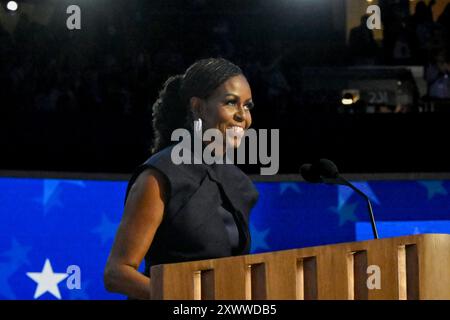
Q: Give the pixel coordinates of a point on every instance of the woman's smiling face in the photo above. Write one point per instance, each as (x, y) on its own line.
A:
(228, 108)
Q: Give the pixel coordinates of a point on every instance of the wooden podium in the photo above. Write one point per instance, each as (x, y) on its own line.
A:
(411, 267)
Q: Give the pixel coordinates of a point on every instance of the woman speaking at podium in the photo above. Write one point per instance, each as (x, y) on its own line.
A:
(186, 212)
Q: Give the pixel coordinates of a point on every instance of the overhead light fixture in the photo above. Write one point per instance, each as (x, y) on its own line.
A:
(12, 6)
(350, 97)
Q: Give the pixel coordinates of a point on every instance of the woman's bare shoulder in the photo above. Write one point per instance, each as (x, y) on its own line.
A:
(150, 184)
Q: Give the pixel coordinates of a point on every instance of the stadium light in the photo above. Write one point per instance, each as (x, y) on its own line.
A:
(347, 99)
(350, 96)
(12, 6)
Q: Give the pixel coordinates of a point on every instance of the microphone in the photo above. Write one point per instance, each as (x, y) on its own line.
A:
(325, 171)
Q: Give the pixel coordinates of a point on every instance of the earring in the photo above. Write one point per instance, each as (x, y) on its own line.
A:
(198, 126)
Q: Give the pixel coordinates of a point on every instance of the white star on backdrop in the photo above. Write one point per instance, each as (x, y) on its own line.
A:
(47, 280)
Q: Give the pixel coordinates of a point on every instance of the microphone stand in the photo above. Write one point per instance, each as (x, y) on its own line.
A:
(340, 180)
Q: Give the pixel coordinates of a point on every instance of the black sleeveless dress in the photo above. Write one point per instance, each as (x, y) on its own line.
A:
(207, 212)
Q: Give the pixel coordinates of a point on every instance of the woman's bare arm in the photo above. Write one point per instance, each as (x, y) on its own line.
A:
(142, 216)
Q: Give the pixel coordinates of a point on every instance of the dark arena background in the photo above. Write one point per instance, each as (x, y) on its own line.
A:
(76, 120)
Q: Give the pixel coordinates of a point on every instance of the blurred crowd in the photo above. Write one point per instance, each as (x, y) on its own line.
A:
(120, 65)
(416, 39)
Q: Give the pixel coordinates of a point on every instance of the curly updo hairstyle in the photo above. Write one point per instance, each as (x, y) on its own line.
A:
(172, 108)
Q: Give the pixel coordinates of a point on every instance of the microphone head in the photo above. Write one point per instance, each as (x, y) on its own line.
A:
(310, 174)
(327, 169)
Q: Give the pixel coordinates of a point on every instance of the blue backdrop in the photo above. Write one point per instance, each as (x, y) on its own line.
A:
(55, 234)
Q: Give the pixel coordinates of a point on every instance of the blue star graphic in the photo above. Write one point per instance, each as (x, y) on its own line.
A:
(434, 188)
(344, 193)
(6, 271)
(284, 186)
(18, 254)
(51, 192)
(346, 213)
(106, 230)
(259, 241)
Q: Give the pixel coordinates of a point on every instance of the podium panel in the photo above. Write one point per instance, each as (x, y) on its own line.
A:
(402, 268)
